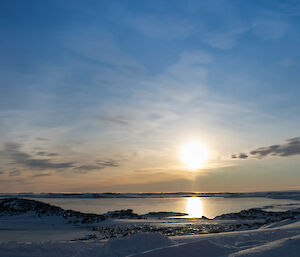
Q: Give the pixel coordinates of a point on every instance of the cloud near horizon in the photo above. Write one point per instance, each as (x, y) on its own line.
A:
(239, 156)
(100, 165)
(19, 159)
(13, 152)
(290, 148)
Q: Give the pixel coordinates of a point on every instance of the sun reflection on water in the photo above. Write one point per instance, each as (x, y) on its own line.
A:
(194, 207)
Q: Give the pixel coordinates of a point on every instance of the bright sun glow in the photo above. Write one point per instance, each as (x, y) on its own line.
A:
(193, 155)
(194, 207)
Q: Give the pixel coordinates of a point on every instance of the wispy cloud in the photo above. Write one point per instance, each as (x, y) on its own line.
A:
(286, 62)
(42, 139)
(100, 47)
(15, 173)
(16, 156)
(119, 119)
(224, 40)
(87, 168)
(41, 175)
(188, 71)
(161, 27)
(100, 165)
(46, 154)
(13, 154)
(269, 28)
(289, 7)
(108, 163)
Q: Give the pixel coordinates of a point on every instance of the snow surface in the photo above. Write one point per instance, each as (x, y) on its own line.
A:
(111, 248)
(283, 247)
(282, 241)
(25, 227)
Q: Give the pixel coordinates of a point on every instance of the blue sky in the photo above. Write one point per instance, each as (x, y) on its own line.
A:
(101, 95)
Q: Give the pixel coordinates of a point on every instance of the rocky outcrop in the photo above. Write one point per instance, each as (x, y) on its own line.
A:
(122, 214)
(258, 214)
(18, 206)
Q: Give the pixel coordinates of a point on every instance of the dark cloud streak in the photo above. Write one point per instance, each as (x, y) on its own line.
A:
(86, 168)
(41, 175)
(120, 120)
(42, 139)
(100, 165)
(14, 173)
(108, 163)
(239, 156)
(290, 148)
(46, 154)
(13, 152)
(17, 158)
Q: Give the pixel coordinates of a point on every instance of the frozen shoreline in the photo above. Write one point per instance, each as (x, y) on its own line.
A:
(41, 230)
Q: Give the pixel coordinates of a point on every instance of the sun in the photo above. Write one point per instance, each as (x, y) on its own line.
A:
(193, 155)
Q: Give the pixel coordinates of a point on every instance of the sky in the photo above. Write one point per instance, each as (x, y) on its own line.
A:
(101, 96)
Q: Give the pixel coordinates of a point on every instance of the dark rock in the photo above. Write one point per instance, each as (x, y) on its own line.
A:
(17, 206)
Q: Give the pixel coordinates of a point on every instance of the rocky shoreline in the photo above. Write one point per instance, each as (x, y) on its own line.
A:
(243, 220)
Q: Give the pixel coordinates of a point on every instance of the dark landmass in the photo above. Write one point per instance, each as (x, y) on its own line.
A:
(295, 195)
(18, 206)
(258, 213)
(243, 220)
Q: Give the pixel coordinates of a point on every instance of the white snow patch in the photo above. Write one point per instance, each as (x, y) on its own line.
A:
(200, 248)
(287, 247)
(119, 247)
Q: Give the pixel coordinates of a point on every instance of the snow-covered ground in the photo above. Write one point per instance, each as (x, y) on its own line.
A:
(282, 241)
(45, 231)
(24, 228)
